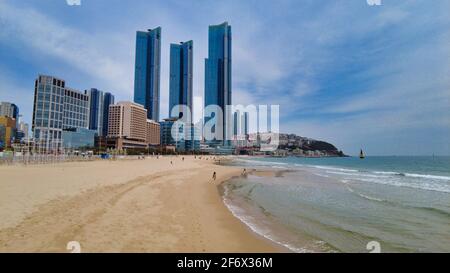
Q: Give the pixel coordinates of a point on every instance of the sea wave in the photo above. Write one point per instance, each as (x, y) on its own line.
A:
(410, 180)
(430, 182)
(365, 196)
(428, 176)
(262, 163)
(421, 185)
(334, 168)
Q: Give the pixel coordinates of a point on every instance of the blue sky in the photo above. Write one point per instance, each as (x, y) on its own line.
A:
(376, 77)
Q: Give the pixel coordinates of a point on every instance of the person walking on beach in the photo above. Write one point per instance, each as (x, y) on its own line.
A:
(171, 163)
(214, 176)
(244, 171)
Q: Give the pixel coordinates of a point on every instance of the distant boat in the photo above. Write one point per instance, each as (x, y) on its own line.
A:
(361, 155)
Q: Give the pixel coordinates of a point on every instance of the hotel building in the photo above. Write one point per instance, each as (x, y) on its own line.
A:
(128, 127)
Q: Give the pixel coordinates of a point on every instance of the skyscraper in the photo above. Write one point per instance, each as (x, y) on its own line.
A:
(99, 110)
(218, 71)
(181, 77)
(147, 71)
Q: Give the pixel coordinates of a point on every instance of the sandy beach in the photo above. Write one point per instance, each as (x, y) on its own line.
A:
(121, 206)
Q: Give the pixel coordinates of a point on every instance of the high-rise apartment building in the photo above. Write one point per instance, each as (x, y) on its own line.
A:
(218, 75)
(181, 77)
(147, 71)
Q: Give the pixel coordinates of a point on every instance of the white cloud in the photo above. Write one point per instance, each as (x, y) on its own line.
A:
(82, 50)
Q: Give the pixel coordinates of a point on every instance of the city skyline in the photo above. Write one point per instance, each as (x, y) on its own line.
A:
(345, 85)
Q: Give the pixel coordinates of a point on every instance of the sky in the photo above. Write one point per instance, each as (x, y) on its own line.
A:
(355, 75)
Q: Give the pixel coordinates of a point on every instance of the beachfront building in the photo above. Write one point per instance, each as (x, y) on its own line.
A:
(99, 103)
(7, 131)
(181, 78)
(57, 108)
(127, 126)
(147, 71)
(218, 75)
(153, 133)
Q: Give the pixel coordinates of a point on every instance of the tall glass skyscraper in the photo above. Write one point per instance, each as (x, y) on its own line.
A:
(147, 71)
(218, 71)
(99, 102)
(181, 77)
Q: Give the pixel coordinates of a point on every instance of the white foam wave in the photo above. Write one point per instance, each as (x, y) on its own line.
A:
(334, 168)
(428, 176)
(421, 185)
(364, 196)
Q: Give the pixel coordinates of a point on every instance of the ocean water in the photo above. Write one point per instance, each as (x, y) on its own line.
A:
(342, 204)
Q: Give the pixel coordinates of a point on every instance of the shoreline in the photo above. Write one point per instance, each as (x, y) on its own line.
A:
(123, 206)
(256, 219)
